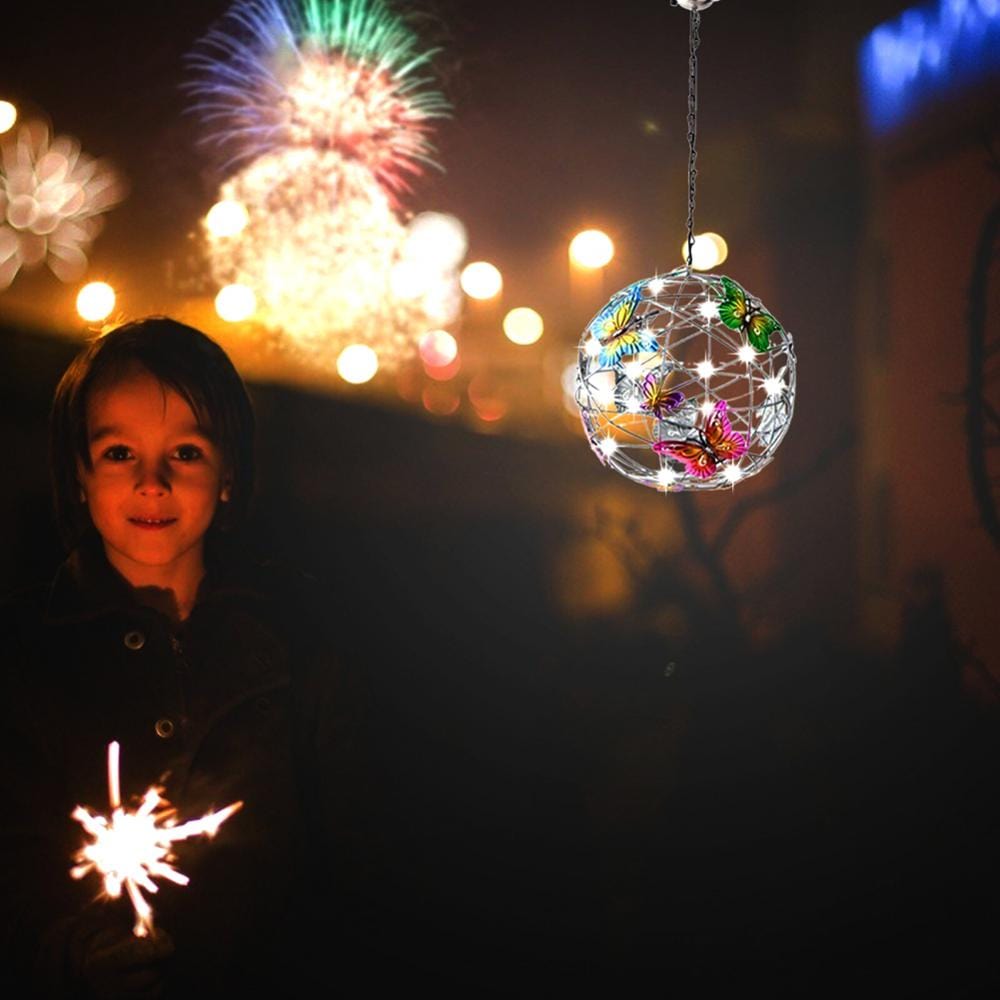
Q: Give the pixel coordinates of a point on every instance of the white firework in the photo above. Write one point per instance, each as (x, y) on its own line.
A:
(52, 196)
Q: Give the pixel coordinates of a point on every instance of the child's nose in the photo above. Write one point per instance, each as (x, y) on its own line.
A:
(151, 481)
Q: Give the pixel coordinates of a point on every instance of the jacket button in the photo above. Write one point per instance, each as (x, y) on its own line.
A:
(164, 728)
(134, 640)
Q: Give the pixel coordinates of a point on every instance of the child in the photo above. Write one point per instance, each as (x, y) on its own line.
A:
(213, 673)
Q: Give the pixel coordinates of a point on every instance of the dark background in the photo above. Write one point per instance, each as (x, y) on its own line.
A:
(726, 775)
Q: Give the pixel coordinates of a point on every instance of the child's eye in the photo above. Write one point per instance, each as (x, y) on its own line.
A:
(117, 453)
(188, 453)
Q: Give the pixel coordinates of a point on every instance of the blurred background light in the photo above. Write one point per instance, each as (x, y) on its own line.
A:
(523, 326)
(481, 280)
(438, 348)
(436, 240)
(227, 218)
(591, 249)
(8, 115)
(357, 363)
(95, 301)
(235, 303)
(709, 250)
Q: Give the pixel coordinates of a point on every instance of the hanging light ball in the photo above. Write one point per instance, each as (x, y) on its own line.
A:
(685, 381)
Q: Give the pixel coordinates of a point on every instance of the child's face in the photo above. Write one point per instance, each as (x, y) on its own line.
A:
(155, 479)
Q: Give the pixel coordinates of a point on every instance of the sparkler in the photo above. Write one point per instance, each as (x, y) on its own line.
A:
(130, 849)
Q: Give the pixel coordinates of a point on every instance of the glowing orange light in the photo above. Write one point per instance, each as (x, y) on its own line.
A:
(438, 348)
(523, 326)
(481, 280)
(95, 301)
(591, 249)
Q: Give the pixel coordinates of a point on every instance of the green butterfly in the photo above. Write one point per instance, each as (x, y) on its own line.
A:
(740, 312)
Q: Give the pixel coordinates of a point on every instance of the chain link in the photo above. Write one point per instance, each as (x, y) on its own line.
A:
(694, 41)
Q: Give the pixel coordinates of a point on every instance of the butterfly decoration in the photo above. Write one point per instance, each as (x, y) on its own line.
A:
(620, 331)
(740, 312)
(656, 399)
(717, 443)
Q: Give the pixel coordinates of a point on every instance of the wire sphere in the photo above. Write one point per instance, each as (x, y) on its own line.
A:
(685, 382)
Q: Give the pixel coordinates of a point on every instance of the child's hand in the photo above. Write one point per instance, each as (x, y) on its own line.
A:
(113, 962)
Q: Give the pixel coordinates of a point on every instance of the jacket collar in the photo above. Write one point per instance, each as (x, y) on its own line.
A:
(86, 585)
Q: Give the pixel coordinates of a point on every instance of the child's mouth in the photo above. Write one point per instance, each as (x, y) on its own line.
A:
(152, 523)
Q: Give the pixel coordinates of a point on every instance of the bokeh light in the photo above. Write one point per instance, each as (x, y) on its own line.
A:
(438, 348)
(591, 249)
(709, 250)
(436, 240)
(481, 280)
(8, 115)
(357, 363)
(227, 218)
(235, 303)
(523, 326)
(95, 301)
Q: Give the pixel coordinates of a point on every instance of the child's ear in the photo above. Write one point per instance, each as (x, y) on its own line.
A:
(226, 492)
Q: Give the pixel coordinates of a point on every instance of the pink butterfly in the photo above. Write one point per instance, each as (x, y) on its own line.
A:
(718, 443)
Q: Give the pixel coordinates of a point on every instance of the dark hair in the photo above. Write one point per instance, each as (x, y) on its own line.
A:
(181, 358)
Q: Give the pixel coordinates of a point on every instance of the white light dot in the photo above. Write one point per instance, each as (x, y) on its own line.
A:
(705, 369)
(593, 347)
(732, 473)
(481, 280)
(666, 476)
(608, 446)
(707, 407)
(227, 218)
(746, 354)
(656, 286)
(235, 303)
(708, 309)
(438, 348)
(591, 249)
(774, 386)
(523, 326)
(604, 396)
(8, 115)
(95, 301)
(357, 363)
(633, 369)
(409, 279)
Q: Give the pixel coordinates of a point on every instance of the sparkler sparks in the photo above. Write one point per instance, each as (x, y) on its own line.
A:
(130, 849)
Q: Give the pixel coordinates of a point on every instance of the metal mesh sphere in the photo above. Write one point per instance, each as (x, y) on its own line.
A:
(685, 381)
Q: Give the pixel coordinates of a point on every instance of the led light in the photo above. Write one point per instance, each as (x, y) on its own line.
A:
(705, 369)
(592, 348)
(481, 280)
(656, 286)
(8, 115)
(438, 348)
(732, 473)
(774, 386)
(666, 476)
(95, 301)
(523, 326)
(227, 218)
(633, 369)
(708, 309)
(357, 363)
(608, 446)
(591, 249)
(235, 303)
(746, 354)
(604, 396)
(707, 408)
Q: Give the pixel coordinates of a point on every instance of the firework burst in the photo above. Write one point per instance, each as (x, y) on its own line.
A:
(51, 199)
(348, 76)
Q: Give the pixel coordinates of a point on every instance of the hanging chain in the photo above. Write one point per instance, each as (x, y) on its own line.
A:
(692, 123)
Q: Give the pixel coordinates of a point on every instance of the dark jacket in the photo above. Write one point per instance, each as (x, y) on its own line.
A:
(241, 701)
